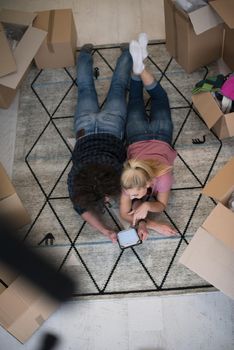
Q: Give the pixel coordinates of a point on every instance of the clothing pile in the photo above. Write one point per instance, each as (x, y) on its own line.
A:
(221, 87)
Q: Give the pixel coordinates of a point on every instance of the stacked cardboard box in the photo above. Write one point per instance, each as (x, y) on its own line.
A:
(198, 38)
(59, 47)
(210, 253)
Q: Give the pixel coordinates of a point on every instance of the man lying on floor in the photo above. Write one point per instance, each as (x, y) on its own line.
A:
(99, 151)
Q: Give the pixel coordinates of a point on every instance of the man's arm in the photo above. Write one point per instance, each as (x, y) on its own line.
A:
(96, 223)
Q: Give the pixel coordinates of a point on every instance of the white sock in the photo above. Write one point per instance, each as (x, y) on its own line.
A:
(143, 41)
(135, 51)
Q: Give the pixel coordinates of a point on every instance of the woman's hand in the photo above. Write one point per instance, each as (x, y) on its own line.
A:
(110, 234)
(142, 231)
(139, 213)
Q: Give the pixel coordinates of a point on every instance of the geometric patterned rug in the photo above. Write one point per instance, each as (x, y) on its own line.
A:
(43, 160)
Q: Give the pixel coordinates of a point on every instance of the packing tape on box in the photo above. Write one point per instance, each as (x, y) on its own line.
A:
(50, 31)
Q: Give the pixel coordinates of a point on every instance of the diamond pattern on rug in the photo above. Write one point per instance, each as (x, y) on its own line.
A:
(43, 160)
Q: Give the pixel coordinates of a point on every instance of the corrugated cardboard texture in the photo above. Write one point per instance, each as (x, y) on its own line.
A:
(220, 223)
(207, 108)
(225, 9)
(212, 260)
(228, 48)
(14, 212)
(58, 50)
(222, 183)
(17, 17)
(7, 95)
(23, 308)
(7, 61)
(7, 275)
(6, 187)
(24, 53)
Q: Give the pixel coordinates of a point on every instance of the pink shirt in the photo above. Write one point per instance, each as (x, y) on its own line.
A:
(158, 150)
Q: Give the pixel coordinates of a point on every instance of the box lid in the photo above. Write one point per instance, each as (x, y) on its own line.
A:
(221, 185)
(225, 9)
(24, 54)
(207, 108)
(204, 19)
(6, 187)
(17, 17)
(220, 224)
(7, 61)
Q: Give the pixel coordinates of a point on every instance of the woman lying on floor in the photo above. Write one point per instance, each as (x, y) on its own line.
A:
(147, 175)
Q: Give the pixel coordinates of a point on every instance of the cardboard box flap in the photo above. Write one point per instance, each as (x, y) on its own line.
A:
(15, 300)
(207, 108)
(210, 259)
(7, 61)
(7, 275)
(17, 17)
(61, 33)
(225, 9)
(14, 211)
(220, 224)
(6, 187)
(220, 186)
(204, 19)
(24, 54)
(42, 20)
(229, 119)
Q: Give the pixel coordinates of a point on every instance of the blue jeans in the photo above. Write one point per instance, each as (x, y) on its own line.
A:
(112, 118)
(158, 125)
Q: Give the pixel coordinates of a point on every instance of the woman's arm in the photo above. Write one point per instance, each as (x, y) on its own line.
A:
(155, 207)
(125, 208)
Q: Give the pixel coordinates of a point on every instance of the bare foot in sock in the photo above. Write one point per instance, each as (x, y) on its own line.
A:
(135, 51)
(143, 41)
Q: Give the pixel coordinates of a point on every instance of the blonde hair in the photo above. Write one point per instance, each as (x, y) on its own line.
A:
(137, 173)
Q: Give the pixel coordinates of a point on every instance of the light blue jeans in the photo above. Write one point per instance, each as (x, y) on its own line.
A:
(89, 119)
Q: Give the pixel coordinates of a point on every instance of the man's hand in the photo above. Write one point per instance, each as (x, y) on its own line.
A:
(111, 235)
(142, 231)
(139, 213)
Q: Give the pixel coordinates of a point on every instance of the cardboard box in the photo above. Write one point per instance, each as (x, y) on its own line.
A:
(58, 49)
(10, 204)
(222, 124)
(22, 55)
(200, 37)
(23, 307)
(210, 253)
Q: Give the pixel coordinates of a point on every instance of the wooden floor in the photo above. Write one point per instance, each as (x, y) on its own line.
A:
(105, 22)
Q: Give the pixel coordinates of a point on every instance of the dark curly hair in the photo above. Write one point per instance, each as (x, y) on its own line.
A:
(93, 183)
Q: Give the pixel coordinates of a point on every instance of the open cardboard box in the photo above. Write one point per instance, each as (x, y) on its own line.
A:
(206, 105)
(198, 38)
(210, 253)
(10, 204)
(23, 307)
(15, 63)
(59, 47)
